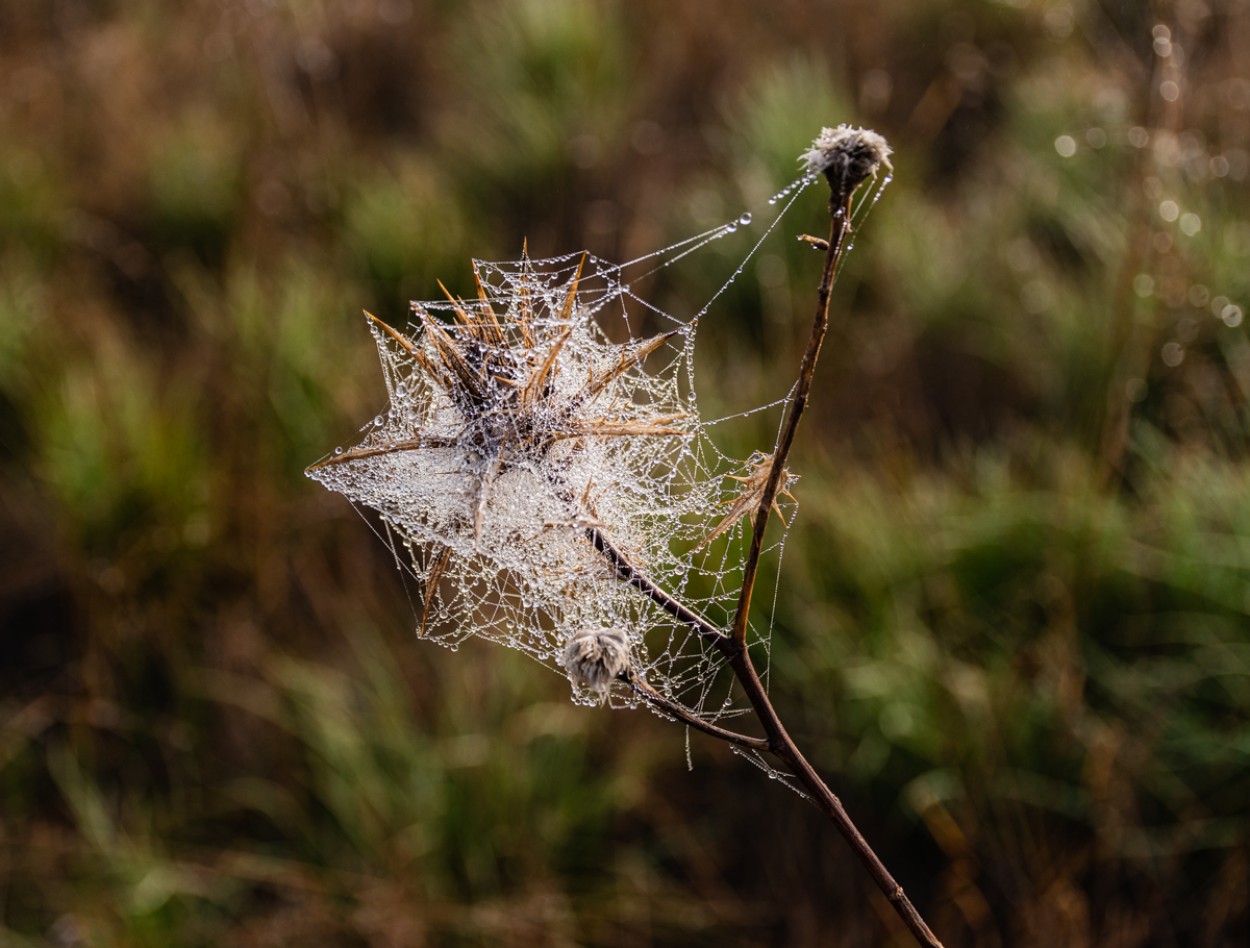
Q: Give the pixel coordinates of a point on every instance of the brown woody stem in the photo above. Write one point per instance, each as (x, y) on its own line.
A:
(777, 740)
(675, 710)
(839, 228)
(627, 572)
(733, 646)
(782, 746)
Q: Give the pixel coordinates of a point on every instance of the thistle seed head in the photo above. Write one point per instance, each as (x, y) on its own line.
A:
(594, 658)
(847, 153)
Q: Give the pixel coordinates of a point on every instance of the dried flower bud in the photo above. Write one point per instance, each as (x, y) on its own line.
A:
(848, 153)
(595, 657)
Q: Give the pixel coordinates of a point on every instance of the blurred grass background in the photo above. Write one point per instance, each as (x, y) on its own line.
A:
(1014, 622)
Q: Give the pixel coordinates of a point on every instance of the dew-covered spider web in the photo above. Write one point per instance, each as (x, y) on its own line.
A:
(542, 472)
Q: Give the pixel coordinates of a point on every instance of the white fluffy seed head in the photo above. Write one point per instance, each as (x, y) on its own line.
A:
(853, 153)
(595, 657)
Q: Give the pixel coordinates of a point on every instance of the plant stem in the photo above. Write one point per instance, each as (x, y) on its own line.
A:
(777, 740)
(839, 227)
(629, 573)
(733, 646)
(686, 716)
(782, 746)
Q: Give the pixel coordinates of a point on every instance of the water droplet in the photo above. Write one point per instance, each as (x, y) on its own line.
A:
(773, 199)
(731, 227)
(745, 219)
(401, 389)
(379, 421)
(338, 450)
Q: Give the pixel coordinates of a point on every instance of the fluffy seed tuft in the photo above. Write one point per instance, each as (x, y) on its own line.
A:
(850, 153)
(594, 658)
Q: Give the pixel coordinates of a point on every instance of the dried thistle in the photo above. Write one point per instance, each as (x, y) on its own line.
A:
(509, 397)
(517, 431)
(500, 413)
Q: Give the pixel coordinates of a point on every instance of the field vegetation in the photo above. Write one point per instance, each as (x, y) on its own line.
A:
(1014, 625)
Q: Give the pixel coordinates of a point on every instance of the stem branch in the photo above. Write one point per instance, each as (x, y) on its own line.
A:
(629, 573)
(672, 708)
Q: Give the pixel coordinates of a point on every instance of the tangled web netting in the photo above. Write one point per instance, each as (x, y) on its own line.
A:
(530, 426)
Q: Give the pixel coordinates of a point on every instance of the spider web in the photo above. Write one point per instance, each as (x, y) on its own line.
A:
(520, 440)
